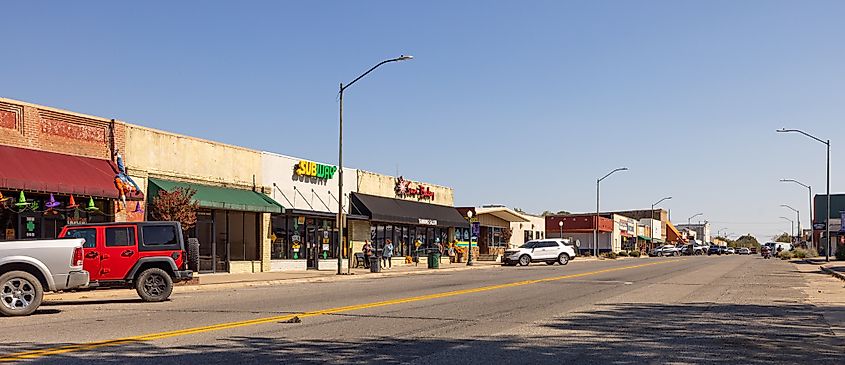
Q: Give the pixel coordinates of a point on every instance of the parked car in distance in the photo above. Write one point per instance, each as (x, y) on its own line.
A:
(548, 251)
(753, 250)
(665, 250)
(730, 251)
(744, 251)
(29, 268)
(696, 249)
(715, 250)
(776, 247)
(147, 256)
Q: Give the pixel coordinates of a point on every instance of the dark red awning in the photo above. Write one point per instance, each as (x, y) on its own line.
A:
(31, 170)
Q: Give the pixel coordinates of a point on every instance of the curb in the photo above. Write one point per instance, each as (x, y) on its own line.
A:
(835, 274)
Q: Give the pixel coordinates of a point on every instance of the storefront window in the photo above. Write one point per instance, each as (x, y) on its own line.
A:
(36, 221)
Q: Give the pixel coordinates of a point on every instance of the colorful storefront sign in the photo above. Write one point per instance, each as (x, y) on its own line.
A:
(403, 189)
(313, 169)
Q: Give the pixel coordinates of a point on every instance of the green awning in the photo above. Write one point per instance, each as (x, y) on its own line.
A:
(215, 197)
(644, 237)
(658, 240)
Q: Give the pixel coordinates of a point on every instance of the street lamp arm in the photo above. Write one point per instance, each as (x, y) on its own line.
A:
(661, 200)
(795, 181)
(790, 208)
(400, 58)
(612, 172)
(784, 130)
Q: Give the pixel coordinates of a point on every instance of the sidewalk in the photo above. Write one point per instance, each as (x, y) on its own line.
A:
(824, 292)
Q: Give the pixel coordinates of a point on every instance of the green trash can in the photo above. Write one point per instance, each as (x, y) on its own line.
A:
(434, 260)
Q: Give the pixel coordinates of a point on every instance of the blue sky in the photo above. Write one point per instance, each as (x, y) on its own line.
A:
(523, 103)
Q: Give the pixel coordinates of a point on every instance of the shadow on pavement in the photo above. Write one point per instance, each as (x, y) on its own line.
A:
(613, 334)
(48, 303)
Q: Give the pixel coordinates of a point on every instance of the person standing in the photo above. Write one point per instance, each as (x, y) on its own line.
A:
(452, 247)
(387, 255)
(416, 256)
(368, 251)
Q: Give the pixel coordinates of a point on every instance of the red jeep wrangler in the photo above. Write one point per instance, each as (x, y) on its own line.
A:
(148, 256)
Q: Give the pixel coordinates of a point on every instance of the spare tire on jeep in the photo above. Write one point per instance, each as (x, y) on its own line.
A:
(154, 285)
(193, 254)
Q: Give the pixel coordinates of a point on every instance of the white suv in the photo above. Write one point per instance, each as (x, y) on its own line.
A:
(548, 251)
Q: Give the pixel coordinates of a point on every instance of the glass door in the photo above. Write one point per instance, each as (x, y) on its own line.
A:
(204, 232)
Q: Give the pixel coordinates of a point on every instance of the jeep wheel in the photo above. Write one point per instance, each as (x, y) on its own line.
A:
(20, 293)
(524, 260)
(154, 285)
(563, 259)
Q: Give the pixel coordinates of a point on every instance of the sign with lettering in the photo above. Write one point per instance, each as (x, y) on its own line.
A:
(428, 222)
(313, 169)
(403, 188)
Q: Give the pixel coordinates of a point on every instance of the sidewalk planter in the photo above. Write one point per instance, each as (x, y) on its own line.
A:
(434, 261)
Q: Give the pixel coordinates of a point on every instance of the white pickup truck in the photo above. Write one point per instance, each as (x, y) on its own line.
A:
(28, 268)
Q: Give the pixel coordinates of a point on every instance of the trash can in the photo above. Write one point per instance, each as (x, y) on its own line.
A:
(375, 264)
(434, 260)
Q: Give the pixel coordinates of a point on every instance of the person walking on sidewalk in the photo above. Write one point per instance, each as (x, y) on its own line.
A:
(452, 251)
(416, 252)
(368, 251)
(387, 255)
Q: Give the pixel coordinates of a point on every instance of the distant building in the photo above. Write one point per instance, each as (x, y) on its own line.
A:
(698, 231)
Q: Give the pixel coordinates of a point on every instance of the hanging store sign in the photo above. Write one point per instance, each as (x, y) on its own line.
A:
(313, 169)
(428, 222)
(403, 189)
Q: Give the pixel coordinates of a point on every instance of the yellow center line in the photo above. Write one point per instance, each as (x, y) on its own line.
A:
(252, 322)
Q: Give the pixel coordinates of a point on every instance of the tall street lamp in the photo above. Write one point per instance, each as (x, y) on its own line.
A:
(827, 221)
(791, 225)
(810, 189)
(797, 215)
(596, 226)
(689, 220)
(658, 202)
(340, 164)
(469, 246)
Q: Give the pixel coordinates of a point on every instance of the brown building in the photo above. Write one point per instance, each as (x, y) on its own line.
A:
(49, 155)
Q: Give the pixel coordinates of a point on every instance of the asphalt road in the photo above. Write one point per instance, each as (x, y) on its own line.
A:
(731, 310)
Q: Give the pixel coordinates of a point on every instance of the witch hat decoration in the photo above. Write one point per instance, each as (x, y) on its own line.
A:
(138, 208)
(72, 203)
(22, 201)
(52, 203)
(91, 207)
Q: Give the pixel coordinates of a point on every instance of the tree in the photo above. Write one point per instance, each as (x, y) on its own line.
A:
(783, 237)
(506, 234)
(747, 241)
(177, 205)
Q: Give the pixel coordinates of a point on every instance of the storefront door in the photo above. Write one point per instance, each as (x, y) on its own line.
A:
(312, 247)
(205, 235)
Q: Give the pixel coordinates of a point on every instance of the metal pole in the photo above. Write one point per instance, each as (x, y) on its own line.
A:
(596, 226)
(469, 247)
(340, 189)
(827, 223)
(812, 217)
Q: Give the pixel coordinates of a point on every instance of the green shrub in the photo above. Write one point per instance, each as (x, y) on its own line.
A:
(610, 255)
(785, 255)
(635, 253)
(623, 254)
(812, 253)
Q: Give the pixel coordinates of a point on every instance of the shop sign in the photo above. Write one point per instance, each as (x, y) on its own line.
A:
(476, 229)
(818, 226)
(77, 220)
(313, 169)
(428, 222)
(30, 226)
(403, 189)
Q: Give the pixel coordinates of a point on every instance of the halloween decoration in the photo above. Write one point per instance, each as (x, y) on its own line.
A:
(52, 203)
(71, 204)
(122, 181)
(138, 208)
(22, 203)
(91, 207)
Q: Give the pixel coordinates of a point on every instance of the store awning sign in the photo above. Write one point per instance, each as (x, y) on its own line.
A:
(428, 222)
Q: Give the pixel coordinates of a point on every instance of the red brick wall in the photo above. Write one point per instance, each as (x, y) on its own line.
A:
(28, 126)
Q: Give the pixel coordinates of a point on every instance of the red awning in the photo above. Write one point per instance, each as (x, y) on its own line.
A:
(31, 170)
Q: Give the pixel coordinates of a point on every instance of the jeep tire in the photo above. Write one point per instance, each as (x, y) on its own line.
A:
(20, 293)
(193, 254)
(154, 285)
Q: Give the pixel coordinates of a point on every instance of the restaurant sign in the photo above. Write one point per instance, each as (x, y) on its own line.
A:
(313, 169)
(403, 189)
(428, 222)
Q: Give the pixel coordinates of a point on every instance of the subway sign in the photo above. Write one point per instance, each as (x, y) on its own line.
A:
(313, 169)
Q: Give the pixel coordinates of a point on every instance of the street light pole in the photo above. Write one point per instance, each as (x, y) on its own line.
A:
(561, 228)
(340, 165)
(827, 221)
(797, 215)
(469, 246)
(791, 225)
(812, 213)
(596, 225)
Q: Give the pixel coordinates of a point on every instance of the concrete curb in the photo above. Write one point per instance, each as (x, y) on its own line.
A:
(835, 274)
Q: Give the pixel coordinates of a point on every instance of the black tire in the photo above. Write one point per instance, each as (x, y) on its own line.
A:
(154, 285)
(676, 254)
(20, 293)
(563, 259)
(524, 260)
(193, 254)
(550, 263)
